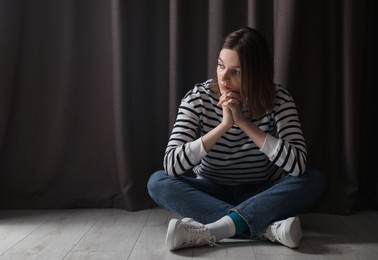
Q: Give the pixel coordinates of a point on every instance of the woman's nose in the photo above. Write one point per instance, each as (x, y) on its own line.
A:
(225, 75)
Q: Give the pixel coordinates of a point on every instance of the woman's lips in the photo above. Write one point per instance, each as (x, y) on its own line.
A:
(223, 87)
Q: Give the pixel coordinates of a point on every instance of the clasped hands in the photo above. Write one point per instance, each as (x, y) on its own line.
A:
(231, 103)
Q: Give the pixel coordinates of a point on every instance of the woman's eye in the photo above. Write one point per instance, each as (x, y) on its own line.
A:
(220, 65)
(237, 72)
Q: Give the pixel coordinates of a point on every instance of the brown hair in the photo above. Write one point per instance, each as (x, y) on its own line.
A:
(256, 69)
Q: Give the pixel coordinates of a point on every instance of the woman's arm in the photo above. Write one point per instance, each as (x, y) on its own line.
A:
(288, 150)
(232, 102)
(210, 139)
(185, 149)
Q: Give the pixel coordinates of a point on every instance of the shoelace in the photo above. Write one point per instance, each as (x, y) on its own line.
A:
(196, 236)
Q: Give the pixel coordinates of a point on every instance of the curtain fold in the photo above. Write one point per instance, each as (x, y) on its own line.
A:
(367, 177)
(89, 91)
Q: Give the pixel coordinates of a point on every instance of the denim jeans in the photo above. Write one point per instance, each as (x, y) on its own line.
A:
(258, 204)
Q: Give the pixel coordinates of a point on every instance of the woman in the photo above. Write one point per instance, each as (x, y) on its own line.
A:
(241, 136)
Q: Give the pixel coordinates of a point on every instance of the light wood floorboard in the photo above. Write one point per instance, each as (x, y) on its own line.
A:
(120, 234)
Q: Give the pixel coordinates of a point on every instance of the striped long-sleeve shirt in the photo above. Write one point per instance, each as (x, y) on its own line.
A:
(235, 158)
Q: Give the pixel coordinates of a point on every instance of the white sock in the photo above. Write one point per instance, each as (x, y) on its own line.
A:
(222, 228)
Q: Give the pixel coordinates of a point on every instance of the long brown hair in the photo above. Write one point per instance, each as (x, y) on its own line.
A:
(256, 63)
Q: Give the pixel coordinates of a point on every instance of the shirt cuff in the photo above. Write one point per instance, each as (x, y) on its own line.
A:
(270, 146)
(197, 149)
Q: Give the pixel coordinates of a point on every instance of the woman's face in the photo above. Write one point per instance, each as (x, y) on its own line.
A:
(229, 71)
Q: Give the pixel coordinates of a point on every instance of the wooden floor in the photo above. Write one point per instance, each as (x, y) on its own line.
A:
(119, 234)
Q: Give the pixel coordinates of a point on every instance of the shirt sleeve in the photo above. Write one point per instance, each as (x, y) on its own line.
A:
(185, 148)
(287, 149)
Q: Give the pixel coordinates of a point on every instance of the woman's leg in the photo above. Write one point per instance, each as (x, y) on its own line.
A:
(265, 204)
(199, 199)
(282, 199)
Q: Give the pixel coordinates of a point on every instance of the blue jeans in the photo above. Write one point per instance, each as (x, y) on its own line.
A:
(258, 204)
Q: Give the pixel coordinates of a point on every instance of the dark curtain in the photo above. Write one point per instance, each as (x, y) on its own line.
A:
(89, 91)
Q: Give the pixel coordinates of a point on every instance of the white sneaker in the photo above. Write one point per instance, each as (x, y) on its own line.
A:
(192, 221)
(187, 234)
(287, 232)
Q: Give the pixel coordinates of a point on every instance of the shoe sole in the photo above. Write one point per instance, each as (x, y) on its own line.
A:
(170, 234)
(295, 235)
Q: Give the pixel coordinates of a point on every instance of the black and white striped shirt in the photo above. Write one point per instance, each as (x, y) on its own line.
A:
(235, 158)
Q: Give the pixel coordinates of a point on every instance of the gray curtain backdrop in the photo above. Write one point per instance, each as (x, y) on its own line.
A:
(89, 92)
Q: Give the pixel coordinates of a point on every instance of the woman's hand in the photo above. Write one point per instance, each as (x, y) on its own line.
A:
(210, 139)
(228, 120)
(231, 104)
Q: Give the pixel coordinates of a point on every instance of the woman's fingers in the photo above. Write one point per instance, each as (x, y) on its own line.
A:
(233, 102)
(233, 95)
(222, 99)
(226, 97)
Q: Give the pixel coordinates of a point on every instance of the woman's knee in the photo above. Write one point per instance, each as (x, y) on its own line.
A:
(155, 181)
(156, 177)
(315, 176)
(315, 180)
